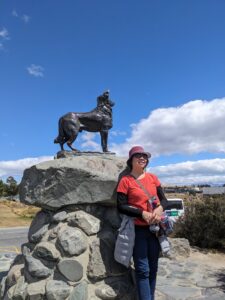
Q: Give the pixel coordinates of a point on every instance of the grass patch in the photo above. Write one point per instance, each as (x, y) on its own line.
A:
(14, 214)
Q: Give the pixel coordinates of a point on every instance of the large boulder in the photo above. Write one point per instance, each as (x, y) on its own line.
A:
(80, 179)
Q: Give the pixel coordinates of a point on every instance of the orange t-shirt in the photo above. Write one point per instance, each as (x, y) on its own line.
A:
(136, 196)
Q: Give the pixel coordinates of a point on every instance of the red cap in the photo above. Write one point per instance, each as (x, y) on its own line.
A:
(138, 149)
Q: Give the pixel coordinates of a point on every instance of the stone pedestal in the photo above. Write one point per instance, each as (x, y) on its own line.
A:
(70, 249)
(69, 253)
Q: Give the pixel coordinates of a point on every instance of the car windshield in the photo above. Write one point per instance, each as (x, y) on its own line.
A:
(174, 205)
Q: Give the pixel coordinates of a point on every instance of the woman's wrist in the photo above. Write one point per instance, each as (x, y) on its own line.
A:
(159, 210)
(147, 216)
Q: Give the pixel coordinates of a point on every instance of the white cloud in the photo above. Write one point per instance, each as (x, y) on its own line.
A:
(14, 13)
(16, 167)
(35, 70)
(4, 34)
(88, 138)
(197, 126)
(192, 172)
(117, 133)
(25, 18)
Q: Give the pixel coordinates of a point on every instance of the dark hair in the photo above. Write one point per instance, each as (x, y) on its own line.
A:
(129, 163)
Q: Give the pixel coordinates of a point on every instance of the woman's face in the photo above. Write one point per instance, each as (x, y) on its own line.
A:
(139, 161)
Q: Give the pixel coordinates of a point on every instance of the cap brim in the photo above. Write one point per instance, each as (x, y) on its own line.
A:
(147, 153)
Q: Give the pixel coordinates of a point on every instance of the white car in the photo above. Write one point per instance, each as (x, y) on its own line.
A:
(175, 208)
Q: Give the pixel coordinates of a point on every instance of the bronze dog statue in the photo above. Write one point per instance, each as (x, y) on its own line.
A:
(97, 120)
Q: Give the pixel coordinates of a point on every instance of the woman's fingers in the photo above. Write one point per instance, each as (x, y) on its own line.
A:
(147, 216)
(155, 218)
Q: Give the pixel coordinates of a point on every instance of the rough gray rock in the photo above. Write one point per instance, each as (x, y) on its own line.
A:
(180, 247)
(88, 223)
(36, 268)
(101, 260)
(47, 251)
(10, 293)
(112, 217)
(36, 290)
(57, 290)
(80, 292)
(72, 241)
(2, 286)
(39, 226)
(113, 290)
(67, 154)
(75, 180)
(59, 216)
(20, 291)
(14, 274)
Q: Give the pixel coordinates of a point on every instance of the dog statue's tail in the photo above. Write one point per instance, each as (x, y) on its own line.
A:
(61, 136)
(56, 140)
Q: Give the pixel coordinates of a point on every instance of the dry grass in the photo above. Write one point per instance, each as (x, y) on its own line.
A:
(185, 196)
(14, 214)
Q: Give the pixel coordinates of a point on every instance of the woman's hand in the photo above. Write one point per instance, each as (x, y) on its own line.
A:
(159, 210)
(157, 214)
(147, 216)
(153, 217)
(150, 218)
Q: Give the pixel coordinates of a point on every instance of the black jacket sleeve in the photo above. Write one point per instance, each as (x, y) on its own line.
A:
(162, 197)
(131, 211)
(126, 209)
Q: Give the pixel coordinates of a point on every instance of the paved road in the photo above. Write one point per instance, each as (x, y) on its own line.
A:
(12, 238)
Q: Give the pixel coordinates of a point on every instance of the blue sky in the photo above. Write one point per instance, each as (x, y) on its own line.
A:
(163, 61)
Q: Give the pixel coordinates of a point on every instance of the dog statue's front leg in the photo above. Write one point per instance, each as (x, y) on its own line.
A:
(104, 140)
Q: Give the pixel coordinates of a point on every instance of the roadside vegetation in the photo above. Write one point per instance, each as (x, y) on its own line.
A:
(9, 188)
(204, 223)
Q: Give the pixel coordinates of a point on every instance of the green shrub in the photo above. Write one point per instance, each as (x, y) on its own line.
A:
(204, 223)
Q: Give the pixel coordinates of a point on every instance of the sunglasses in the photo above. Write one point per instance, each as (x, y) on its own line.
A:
(139, 155)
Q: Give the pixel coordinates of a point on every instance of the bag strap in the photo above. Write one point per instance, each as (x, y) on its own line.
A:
(142, 187)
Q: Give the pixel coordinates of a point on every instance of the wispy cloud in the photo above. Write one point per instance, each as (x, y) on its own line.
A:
(118, 133)
(88, 138)
(194, 127)
(16, 167)
(192, 172)
(14, 13)
(35, 70)
(4, 34)
(24, 18)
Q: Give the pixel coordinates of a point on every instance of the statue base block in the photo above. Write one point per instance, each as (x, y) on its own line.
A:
(66, 154)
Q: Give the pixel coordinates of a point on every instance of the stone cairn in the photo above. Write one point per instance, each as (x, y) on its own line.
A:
(69, 253)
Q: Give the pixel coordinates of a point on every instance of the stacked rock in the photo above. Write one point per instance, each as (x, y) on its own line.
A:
(69, 253)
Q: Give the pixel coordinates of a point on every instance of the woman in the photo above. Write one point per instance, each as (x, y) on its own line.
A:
(133, 193)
